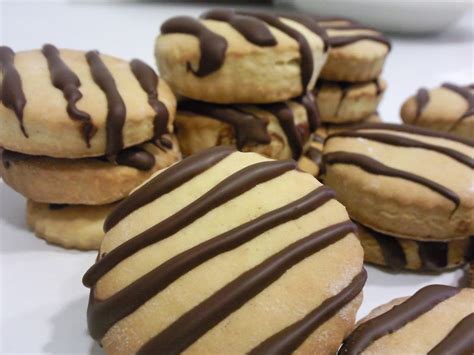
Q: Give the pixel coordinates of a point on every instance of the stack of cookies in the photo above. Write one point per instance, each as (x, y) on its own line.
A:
(243, 78)
(80, 130)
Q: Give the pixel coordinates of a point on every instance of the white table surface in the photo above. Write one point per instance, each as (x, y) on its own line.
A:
(42, 301)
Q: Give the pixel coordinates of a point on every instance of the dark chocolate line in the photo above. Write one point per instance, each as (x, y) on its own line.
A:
(212, 45)
(11, 90)
(342, 40)
(459, 341)
(249, 129)
(116, 107)
(400, 141)
(136, 157)
(148, 80)
(389, 322)
(375, 167)
(310, 24)
(315, 155)
(289, 339)
(392, 251)
(422, 98)
(64, 79)
(312, 111)
(465, 92)
(168, 180)
(231, 187)
(102, 315)
(192, 325)
(433, 255)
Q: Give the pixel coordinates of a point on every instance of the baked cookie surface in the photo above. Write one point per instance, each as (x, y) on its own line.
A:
(71, 104)
(226, 252)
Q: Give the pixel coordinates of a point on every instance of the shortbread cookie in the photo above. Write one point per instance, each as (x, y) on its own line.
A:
(226, 253)
(448, 108)
(278, 130)
(357, 52)
(343, 102)
(436, 320)
(400, 253)
(229, 56)
(88, 181)
(72, 104)
(403, 180)
(70, 226)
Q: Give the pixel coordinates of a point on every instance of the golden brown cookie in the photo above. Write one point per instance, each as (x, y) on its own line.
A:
(357, 52)
(72, 104)
(400, 253)
(87, 181)
(228, 56)
(436, 320)
(343, 102)
(70, 226)
(226, 252)
(448, 108)
(278, 130)
(403, 180)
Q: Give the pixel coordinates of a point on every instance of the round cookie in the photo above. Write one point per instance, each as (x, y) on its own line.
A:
(70, 226)
(72, 104)
(226, 252)
(448, 108)
(357, 52)
(400, 253)
(436, 320)
(87, 181)
(228, 56)
(278, 130)
(403, 180)
(343, 102)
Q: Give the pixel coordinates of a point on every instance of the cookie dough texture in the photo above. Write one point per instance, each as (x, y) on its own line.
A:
(49, 128)
(404, 181)
(87, 181)
(295, 293)
(247, 72)
(448, 108)
(69, 226)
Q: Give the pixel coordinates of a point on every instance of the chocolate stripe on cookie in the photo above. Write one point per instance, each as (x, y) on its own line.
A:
(315, 155)
(11, 90)
(229, 188)
(289, 339)
(64, 79)
(104, 314)
(148, 80)
(392, 251)
(310, 24)
(193, 324)
(167, 181)
(433, 255)
(342, 40)
(375, 167)
(116, 107)
(459, 341)
(422, 98)
(312, 111)
(136, 157)
(212, 45)
(421, 302)
(465, 92)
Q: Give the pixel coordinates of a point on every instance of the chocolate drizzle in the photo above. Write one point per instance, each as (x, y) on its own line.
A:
(11, 90)
(465, 92)
(315, 155)
(64, 79)
(193, 324)
(289, 339)
(136, 157)
(422, 98)
(459, 341)
(212, 45)
(116, 107)
(392, 251)
(421, 302)
(433, 255)
(312, 111)
(148, 80)
(342, 40)
(103, 314)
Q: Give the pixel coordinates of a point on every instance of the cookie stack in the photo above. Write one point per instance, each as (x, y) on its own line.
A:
(79, 131)
(243, 78)
(410, 190)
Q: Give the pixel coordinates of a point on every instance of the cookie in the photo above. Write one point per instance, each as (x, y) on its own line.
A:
(343, 102)
(400, 253)
(226, 252)
(87, 181)
(403, 180)
(436, 320)
(69, 226)
(448, 108)
(228, 56)
(278, 130)
(71, 104)
(357, 52)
